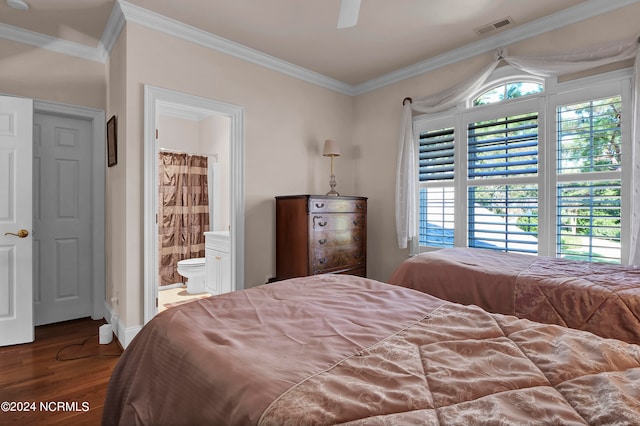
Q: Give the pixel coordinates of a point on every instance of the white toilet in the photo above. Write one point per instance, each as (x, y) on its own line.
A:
(193, 270)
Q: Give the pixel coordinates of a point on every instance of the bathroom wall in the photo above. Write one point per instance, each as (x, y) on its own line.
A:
(207, 136)
(179, 134)
(215, 134)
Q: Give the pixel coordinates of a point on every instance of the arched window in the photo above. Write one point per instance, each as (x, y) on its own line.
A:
(510, 90)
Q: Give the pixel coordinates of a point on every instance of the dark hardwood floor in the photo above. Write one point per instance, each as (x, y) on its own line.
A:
(43, 377)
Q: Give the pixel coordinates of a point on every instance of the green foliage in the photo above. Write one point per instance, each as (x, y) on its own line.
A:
(510, 90)
(589, 136)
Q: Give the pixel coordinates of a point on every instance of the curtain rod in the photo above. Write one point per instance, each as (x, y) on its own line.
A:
(176, 151)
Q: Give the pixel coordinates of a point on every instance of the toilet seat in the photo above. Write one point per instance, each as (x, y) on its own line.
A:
(196, 261)
(194, 270)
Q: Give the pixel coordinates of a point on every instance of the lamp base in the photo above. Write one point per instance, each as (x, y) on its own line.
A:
(332, 184)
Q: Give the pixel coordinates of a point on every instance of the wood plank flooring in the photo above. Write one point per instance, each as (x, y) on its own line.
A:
(63, 390)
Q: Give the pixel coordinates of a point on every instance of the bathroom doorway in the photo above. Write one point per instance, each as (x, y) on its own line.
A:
(186, 129)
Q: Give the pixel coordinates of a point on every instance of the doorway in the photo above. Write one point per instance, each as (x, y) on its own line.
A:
(161, 103)
(193, 198)
(68, 240)
(20, 300)
(62, 222)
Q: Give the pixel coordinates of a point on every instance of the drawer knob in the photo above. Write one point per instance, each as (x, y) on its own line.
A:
(356, 222)
(322, 241)
(319, 205)
(323, 260)
(320, 221)
(359, 206)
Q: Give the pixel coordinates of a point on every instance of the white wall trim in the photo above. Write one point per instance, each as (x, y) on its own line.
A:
(156, 99)
(124, 335)
(97, 119)
(112, 30)
(126, 12)
(32, 38)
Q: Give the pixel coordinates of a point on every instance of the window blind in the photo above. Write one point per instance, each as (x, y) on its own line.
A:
(436, 155)
(503, 147)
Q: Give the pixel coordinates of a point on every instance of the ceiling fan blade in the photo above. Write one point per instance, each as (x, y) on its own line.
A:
(349, 10)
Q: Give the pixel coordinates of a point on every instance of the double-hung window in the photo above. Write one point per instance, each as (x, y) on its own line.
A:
(526, 168)
(436, 171)
(589, 179)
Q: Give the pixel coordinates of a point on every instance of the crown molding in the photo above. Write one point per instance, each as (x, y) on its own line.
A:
(126, 12)
(175, 28)
(552, 22)
(112, 30)
(32, 38)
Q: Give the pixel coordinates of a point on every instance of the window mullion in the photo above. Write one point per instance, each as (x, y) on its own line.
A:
(460, 181)
(547, 199)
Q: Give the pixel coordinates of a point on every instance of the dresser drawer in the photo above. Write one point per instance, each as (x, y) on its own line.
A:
(323, 205)
(335, 239)
(336, 221)
(327, 260)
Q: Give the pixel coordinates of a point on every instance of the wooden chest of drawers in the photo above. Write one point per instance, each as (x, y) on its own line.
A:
(317, 234)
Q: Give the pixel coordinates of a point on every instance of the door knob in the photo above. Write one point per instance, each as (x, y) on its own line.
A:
(23, 233)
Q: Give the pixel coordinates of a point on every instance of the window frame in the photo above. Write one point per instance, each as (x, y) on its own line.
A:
(554, 95)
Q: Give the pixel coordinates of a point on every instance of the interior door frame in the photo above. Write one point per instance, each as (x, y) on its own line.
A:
(97, 119)
(154, 99)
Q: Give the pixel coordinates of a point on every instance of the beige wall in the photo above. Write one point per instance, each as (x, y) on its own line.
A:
(179, 134)
(41, 74)
(116, 251)
(286, 123)
(216, 134)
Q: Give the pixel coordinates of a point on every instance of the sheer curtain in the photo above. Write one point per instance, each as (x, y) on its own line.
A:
(545, 66)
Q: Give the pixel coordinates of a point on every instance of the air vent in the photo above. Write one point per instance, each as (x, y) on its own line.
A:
(500, 23)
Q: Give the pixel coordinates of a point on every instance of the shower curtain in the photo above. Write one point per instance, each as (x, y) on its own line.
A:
(183, 214)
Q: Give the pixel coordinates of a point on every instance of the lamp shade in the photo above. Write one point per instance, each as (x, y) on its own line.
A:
(331, 148)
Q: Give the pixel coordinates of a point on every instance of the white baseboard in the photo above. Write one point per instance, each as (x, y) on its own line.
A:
(123, 334)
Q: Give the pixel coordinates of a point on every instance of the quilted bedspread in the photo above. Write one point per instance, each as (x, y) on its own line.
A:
(337, 349)
(597, 297)
(463, 366)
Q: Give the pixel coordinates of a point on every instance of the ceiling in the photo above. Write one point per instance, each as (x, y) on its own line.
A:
(389, 36)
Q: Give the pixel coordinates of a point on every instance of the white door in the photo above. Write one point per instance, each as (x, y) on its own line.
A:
(16, 279)
(62, 218)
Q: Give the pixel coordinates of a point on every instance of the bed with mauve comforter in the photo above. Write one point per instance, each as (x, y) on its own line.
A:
(597, 297)
(336, 349)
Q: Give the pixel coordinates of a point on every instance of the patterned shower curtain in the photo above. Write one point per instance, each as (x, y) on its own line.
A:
(183, 214)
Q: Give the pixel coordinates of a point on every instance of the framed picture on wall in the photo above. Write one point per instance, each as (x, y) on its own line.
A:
(112, 142)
